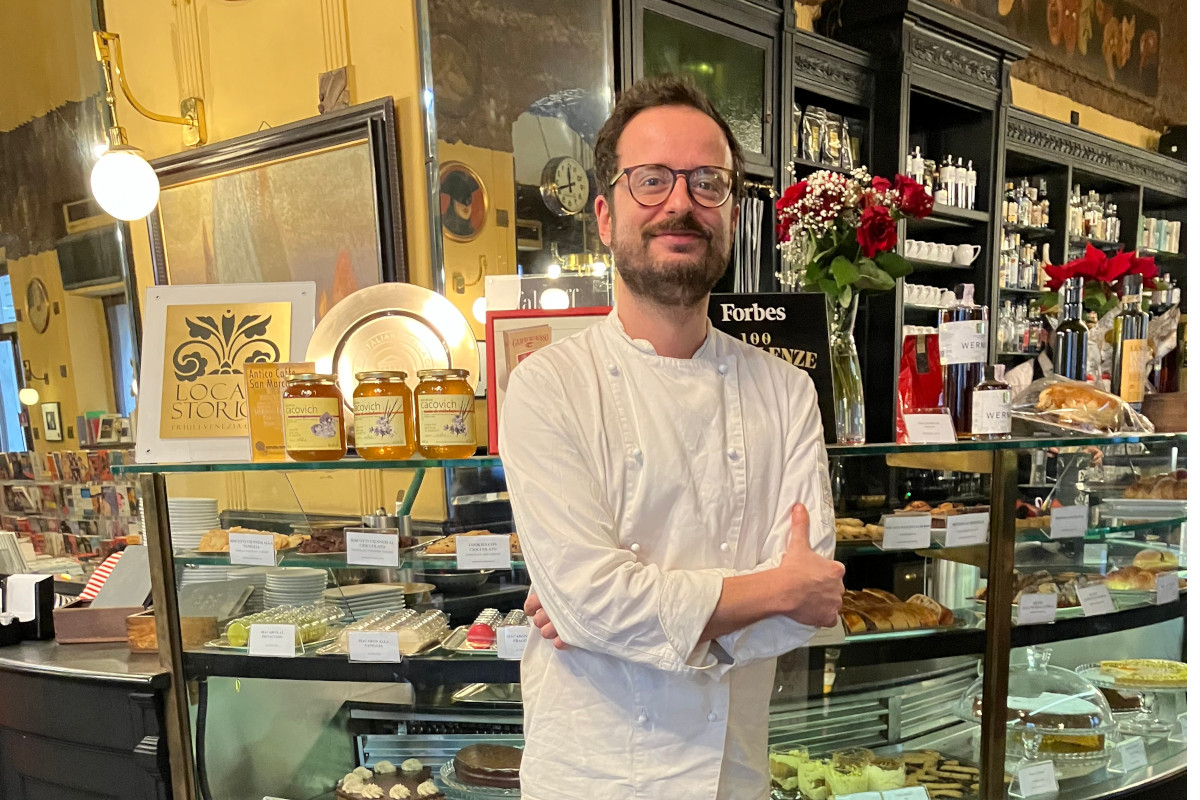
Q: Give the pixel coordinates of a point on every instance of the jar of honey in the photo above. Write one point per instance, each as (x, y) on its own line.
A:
(383, 416)
(445, 405)
(313, 422)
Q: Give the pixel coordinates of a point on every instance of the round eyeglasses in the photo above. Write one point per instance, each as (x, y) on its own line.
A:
(652, 184)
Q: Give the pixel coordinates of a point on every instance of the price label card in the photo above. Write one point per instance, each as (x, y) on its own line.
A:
(1068, 522)
(275, 641)
(1036, 609)
(826, 637)
(1166, 588)
(375, 645)
(907, 793)
(1128, 755)
(906, 531)
(254, 549)
(511, 641)
(859, 796)
(484, 552)
(930, 428)
(1037, 779)
(963, 530)
(372, 549)
(1096, 554)
(1095, 599)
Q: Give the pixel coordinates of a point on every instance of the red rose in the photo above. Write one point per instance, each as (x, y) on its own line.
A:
(881, 185)
(792, 195)
(876, 231)
(915, 201)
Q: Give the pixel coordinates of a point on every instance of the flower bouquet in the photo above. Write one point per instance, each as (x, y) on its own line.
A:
(837, 235)
(1101, 275)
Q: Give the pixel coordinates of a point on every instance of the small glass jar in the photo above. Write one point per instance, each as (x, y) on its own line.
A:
(445, 406)
(314, 427)
(383, 416)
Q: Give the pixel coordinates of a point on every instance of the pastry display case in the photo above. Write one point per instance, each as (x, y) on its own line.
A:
(1008, 603)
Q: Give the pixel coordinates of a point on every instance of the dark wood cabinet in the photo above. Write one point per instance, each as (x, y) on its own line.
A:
(729, 48)
(67, 736)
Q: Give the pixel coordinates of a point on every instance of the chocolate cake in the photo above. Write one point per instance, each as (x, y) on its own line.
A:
(489, 765)
(410, 779)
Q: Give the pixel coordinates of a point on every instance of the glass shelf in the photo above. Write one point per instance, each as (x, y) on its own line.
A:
(297, 466)
(324, 561)
(479, 462)
(1100, 532)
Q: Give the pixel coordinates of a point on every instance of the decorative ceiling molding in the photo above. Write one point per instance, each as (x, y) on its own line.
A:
(833, 73)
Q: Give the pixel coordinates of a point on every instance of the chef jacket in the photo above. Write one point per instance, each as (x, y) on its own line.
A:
(638, 483)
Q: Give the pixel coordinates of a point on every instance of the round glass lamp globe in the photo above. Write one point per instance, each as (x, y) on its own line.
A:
(28, 396)
(124, 184)
(555, 300)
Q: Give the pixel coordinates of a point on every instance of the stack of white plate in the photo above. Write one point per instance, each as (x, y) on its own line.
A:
(294, 586)
(359, 601)
(258, 579)
(203, 574)
(191, 518)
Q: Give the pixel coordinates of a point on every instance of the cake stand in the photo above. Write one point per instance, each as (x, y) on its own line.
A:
(1144, 721)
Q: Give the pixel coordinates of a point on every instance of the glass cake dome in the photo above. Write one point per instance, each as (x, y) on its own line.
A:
(1044, 699)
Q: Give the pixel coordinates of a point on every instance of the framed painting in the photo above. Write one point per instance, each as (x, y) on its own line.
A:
(315, 200)
(463, 201)
(52, 422)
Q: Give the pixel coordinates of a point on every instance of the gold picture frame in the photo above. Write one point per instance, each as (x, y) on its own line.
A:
(459, 188)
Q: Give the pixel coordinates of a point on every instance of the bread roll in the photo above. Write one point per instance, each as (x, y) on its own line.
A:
(882, 595)
(944, 615)
(1130, 579)
(853, 622)
(1081, 404)
(1156, 560)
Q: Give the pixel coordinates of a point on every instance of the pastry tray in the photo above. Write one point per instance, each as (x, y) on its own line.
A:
(223, 644)
(490, 694)
(469, 792)
(1130, 508)
(1091, 673)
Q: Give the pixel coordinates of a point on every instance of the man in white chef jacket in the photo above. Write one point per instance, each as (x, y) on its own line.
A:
(671, 490)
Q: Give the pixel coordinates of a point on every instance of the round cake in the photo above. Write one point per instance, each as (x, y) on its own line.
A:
(489, 765)
(382, 785)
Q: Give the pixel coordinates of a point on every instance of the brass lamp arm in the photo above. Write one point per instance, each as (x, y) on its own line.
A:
(108, 53)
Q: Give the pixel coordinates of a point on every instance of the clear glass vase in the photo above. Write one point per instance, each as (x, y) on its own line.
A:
(848, 411)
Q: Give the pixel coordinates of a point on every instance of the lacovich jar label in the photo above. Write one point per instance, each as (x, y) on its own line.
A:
(446, 419)
(311, 423)
(963, 342)
(379, 422)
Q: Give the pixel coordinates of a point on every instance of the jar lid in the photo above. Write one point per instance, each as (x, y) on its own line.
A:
(310, 376)
(381, 375)
(442, 373)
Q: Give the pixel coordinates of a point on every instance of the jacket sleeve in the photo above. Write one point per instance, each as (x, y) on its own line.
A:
(600, 597)
(805, 480)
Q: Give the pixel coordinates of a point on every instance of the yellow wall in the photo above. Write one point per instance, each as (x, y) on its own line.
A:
(46, 59)
(258, 62)
(1056, 106)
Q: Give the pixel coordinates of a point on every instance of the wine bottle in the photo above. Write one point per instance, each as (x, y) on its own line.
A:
(963, 346)
(1129, 344)
(991, 407)
(1070, 337)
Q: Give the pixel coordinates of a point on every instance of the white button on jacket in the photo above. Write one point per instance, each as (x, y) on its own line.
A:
(628, 560)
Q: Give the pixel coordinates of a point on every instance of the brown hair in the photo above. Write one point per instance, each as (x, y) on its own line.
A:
(663, 90)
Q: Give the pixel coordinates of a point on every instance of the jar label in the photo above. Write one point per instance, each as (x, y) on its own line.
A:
(1133, 370)
(446, 419)
(991, 411)
(311, 423)
(379, 422)
(963, 342)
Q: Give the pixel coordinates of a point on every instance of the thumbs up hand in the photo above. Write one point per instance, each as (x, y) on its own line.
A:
(809, 585)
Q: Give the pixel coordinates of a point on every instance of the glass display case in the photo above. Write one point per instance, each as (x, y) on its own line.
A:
(1009, 603)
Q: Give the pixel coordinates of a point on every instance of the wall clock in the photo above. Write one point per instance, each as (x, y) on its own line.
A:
(565, 187)
(37, 305)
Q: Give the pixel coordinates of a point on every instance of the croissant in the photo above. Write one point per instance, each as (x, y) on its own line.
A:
(1081, 404)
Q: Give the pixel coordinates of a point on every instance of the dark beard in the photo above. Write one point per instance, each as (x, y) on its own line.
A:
(678, 285)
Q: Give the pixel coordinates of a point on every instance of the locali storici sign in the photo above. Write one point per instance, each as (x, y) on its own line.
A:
(205, 353)
(790, 326)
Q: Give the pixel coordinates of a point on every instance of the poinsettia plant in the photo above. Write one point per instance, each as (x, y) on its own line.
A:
(838, 232)
(1102, 275)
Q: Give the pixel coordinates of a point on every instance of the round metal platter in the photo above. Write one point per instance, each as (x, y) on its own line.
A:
(392, 326)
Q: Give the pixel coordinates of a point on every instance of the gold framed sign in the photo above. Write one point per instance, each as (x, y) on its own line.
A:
(204, 357)
(197, 341)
